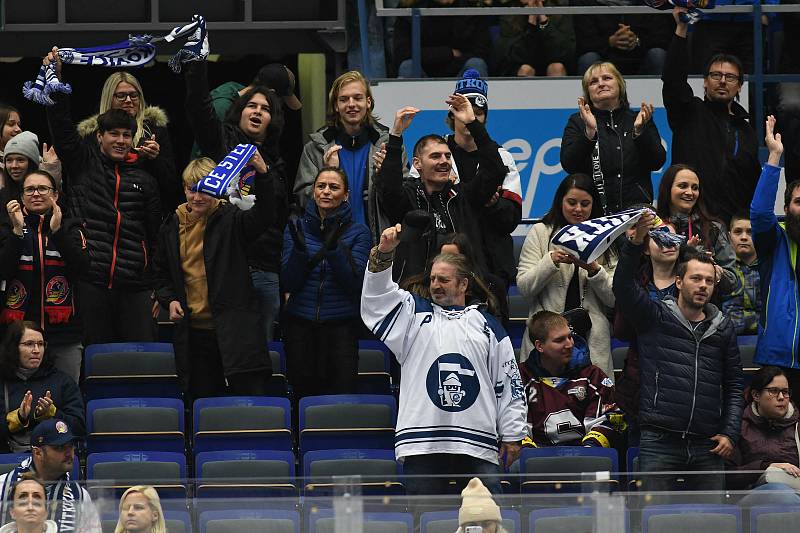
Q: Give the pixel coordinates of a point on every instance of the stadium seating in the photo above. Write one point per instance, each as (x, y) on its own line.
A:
(567, 468)
(249, 521)
(241, 423)
(121, 424)
(671, 518)
(373, 372)
(245, 474)
(118, 471)
(130, 370)
(278, 384)
(772, 518)
(378, 467)
(561, 519)
(323, 522)
(347, 421)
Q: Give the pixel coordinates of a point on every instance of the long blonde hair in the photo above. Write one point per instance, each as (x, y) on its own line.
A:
(332, 115)
(155, 505)
(107, 97)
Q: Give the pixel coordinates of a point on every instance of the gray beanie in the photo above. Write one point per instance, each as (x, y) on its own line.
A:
(25, 143)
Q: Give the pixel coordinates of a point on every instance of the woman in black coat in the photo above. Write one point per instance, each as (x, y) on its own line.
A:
(614, 144)
(33, 389)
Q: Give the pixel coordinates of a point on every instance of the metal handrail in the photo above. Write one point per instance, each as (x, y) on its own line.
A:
(758, 78)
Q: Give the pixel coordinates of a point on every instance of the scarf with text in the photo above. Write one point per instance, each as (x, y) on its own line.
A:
(218, 180)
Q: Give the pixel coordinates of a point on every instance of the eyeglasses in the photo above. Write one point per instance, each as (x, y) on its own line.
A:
(775, 391)
(717, 76)
(44, 190)
(34, 344)
(121, 97)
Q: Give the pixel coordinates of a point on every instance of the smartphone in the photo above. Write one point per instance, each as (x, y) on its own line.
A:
(146, 136)
(473, 529)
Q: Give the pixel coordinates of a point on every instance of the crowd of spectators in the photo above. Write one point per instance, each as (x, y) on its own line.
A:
(414, 250)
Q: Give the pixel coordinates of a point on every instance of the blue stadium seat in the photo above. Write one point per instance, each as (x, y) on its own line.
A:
(689, 517)
(379, 469)
(9, 461)
(632, 463)
(343, 421)
(373, 372)
(323, 522)
(245, 474)
(242, 423)
(130, 370)
(564, 468)
(118, 471)
(249, 521)
(772, 518)
(120, 424)
(278, 385)
(447, 521)
(561, 519)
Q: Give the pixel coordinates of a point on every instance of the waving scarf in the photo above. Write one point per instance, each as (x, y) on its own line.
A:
(217, 182)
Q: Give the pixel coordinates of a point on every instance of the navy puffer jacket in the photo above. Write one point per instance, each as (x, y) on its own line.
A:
(691, 379)
(332, 289)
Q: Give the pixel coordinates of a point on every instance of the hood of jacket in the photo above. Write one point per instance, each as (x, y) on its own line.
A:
(152, 114)
(752, 415)
(328, 134)
(712, 312)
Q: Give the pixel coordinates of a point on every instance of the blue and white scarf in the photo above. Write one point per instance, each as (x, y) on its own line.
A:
(217, 182)
(692, 15)
(64, 498)
(588, 240)
(136, 51)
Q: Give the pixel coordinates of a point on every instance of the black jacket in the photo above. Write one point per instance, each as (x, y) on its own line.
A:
(117, 202)
(216, 139)
(462, 202)
(691, 380)
(497, 221)
(440, 36)
(720, 145)
(63, 390)
(233, 303)
(626, 162)
(70, 242)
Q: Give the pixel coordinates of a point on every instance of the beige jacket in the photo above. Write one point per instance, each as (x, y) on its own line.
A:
(544, 284)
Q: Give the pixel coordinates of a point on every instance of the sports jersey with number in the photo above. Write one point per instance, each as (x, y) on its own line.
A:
(571, 410)
(460, 390)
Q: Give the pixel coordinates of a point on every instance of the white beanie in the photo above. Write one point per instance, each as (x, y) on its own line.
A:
(25, 143)
(477, 504)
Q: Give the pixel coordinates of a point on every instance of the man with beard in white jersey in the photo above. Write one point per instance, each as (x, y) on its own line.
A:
(462, 409)
(776, 246)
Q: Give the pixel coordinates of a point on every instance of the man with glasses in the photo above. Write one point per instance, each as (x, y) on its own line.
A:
(52, 459)
(712, 134)
(118, 203)
(690, 405)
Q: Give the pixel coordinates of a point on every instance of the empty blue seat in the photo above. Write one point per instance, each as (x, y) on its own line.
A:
(772, 518)
(249, 521)
(121, 424)
(242, 423)
(166, 471)
(565, 468)
(344, 421)
(130, 370)
(378, 469)
(323, 522)
(245, 474)
(688, 517)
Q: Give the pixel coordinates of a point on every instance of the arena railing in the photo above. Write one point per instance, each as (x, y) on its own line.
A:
(757, 79)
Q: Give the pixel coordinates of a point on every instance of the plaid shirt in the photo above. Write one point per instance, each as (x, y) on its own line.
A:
(743, 305)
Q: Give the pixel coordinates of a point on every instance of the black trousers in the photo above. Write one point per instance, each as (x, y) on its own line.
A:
(206, 374)
(115, 315)
(321, 357)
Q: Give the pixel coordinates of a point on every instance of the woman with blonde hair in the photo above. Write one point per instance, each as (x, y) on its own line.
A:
(140, 511)
(153, 148)
(616, 145)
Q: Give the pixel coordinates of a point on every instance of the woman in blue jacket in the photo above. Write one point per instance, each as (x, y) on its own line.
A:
(324, 257)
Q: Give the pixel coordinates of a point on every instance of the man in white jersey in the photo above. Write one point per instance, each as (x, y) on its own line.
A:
(462, 407)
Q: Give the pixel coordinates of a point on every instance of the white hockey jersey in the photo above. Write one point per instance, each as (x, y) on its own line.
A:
(461, 390)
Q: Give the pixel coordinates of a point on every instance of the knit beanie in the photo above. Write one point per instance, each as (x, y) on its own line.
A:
(477, 504)
(25, 143)
(474, 88)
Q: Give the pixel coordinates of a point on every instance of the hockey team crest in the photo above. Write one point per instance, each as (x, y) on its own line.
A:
(452, 383)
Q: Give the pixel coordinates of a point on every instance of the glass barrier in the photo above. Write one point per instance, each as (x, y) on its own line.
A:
(591, 502)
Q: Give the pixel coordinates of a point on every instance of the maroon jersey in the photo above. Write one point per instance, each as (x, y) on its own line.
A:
(574, 410)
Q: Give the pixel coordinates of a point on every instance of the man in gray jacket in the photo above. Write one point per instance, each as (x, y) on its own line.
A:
(690, 406)
(349, 140)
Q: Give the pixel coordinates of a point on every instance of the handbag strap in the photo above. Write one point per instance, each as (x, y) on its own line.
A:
(797, 438)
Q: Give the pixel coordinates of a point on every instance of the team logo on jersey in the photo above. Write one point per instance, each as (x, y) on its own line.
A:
(579, 392)
(607, 382)
(56, 290)
(16, 295)
(452, 383)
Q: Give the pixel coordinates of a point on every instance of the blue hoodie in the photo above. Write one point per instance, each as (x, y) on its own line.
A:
(779, 324)
(332, 290)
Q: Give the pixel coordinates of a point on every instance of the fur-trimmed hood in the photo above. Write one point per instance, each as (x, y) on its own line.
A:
(152, 114)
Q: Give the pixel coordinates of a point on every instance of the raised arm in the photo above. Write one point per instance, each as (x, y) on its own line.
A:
(762, 208)
(389, 179)
(676, 91)
(206, 126)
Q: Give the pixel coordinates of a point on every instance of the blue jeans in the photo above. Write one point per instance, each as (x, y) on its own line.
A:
(771, 494)
(668, 451)
(443, 466)
(406, 70)
(268, 290)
